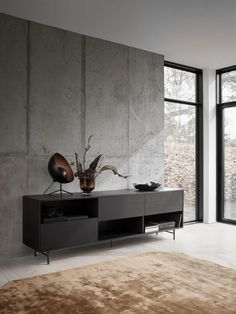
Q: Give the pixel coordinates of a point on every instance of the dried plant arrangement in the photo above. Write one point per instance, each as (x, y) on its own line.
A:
(87, 176)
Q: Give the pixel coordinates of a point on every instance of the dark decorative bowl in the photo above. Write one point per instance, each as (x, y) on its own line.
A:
(147, 187)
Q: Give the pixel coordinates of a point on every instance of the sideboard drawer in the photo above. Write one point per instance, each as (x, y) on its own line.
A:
(163, 202)
(68, 233)
(122, 206)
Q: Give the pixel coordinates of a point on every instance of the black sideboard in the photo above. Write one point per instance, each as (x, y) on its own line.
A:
(102, 216)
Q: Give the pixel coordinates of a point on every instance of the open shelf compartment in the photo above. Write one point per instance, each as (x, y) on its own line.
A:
(58, 211)
(164, 220)
(119, 228)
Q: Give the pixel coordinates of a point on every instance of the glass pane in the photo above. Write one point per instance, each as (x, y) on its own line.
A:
(228, 81)
(180, 85)
(230, 163)
(180, 153)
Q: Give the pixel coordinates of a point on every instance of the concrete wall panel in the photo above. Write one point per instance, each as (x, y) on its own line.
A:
(107, 97)
(55, 90)
(146, 98)
(13, 184)
(13, 81)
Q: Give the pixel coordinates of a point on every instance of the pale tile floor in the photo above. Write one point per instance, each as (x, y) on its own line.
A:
(213, 242)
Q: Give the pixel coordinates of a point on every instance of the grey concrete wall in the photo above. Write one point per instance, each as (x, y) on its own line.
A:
(55, 111)
(107, 107)
(13, 143)
(59, 87)
(146, 117)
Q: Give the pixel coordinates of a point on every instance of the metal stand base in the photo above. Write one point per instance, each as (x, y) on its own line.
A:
(60, 190)
(45, 254)
(172, 232)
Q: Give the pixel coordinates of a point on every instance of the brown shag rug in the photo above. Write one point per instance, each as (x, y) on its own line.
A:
(147, 283)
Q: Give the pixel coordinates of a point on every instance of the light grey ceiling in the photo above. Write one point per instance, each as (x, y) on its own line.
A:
(200, 33)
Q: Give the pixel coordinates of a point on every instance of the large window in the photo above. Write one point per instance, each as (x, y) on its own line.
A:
(183, 135)
(226, 141)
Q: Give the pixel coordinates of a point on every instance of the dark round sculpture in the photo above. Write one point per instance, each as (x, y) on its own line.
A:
(59, 169)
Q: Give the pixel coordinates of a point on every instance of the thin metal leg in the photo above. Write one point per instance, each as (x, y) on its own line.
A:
(67, 192)
(172, 232)
(48, 188)
(60, 190)
(45, 254)
(111, 243)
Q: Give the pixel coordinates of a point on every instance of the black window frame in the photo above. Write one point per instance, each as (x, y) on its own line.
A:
(220, 106)
(199, 131)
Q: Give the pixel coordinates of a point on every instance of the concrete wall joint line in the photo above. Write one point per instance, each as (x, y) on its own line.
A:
(28, 70)
(83, 88)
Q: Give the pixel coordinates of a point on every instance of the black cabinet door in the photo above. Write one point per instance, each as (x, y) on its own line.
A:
(120, 206)
(69, 233)
(163, 202)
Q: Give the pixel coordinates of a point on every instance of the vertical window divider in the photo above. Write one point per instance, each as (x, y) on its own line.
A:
(198, 131)
(221, 107)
